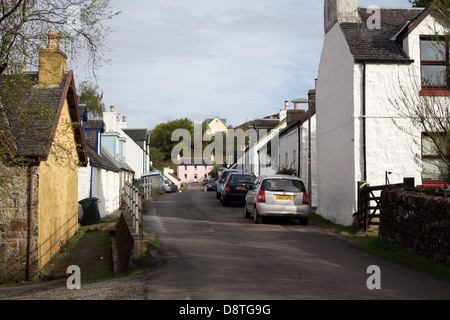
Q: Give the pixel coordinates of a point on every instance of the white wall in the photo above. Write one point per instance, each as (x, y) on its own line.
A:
(105, 187)
(335, 130)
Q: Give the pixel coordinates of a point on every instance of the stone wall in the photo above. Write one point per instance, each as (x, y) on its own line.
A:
(417, 222)
(14, 231)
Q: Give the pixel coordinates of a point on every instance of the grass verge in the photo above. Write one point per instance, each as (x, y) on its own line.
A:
(370, 241)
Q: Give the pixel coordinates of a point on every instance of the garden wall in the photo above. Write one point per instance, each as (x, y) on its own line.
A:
(417, 222)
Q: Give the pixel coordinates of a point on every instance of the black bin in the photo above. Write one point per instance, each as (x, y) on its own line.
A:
(91, 214)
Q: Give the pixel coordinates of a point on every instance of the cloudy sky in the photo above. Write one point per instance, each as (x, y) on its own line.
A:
(235, 59)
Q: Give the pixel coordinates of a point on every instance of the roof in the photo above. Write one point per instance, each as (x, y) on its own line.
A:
(376, 44)
(100, 161)
(30, 114)
(208, 121)
(137, 134)
(94, 125)
(140, 136)
(119, 164)
(266, 123)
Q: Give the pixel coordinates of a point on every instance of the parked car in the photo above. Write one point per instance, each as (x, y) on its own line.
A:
(236, 187)
(210, 185)
(167, 186)
(222, 178)
(277, 196)
(174, 187)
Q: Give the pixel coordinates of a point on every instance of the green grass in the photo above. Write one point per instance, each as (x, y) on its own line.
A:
(370, 241)
(373, 244)
(319, 220)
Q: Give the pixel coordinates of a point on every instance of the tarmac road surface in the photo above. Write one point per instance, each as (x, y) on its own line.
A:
(212, 252)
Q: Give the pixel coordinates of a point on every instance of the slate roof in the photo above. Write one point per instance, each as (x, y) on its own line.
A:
(119, 164)
(29, 114)
(376, 44)
(140, 136)
(100, 161)
(136, 134)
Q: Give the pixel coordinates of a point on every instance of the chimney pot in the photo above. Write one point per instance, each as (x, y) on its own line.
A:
(53, 40)
(286, 105)
(124, 118)
(111, 108)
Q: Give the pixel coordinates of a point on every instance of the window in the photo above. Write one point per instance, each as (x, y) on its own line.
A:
(433, 165)
(434, 63)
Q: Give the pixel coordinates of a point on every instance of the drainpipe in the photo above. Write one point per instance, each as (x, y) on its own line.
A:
(30, 221)
(364, 123)
(299, 149)
(90, 183)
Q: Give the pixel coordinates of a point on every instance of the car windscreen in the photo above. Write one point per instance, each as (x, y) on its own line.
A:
(242, 179)
(287, 185)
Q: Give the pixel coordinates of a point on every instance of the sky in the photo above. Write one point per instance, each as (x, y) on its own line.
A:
(198, 59)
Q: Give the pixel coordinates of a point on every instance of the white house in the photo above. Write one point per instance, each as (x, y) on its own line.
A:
(101, 177)
(135, 155)
(369, 56)
(216, 125)
(297, 145)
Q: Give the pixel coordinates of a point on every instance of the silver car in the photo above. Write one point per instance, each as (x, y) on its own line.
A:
(277, 196)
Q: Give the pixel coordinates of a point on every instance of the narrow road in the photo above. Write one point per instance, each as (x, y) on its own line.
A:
(213, 252)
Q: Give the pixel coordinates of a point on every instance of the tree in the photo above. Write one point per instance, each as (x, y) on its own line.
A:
(429, 114)
(162, 135)
(90, 95)
(24, 25)
(420, 3)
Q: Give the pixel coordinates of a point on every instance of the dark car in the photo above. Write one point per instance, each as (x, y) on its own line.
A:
(223, 177)
(235, 187)
(210, 185)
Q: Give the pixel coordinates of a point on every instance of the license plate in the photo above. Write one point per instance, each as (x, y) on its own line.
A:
(284, 198)
(240, 188)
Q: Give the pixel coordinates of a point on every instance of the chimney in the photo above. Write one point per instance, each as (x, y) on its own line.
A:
(124, 118)
(340, 11)
(111, 108)
(52, 61)
(286, 105)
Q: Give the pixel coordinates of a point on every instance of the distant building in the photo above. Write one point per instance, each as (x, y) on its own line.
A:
(216, 125)
(194, 170)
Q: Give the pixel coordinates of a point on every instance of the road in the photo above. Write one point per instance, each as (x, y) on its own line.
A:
(212, 252)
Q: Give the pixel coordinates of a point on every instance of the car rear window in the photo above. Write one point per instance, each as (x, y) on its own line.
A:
(242, 179)
(288, 185)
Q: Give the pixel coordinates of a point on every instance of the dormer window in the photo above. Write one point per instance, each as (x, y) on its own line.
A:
(434, 64)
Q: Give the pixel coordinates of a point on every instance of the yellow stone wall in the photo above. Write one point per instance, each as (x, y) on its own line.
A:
(58, 192)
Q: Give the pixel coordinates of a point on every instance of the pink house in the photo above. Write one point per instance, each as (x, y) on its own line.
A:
(194, 170)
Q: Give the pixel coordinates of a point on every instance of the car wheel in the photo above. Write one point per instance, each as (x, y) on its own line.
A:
(257, 218)
(303, 221)
(224, 202)
(246, 213)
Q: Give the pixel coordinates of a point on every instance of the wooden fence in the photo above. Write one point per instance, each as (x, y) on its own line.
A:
(134, 208)
(369, 202)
